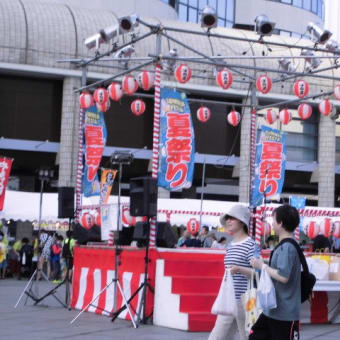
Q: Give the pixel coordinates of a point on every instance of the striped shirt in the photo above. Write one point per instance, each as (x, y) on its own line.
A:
(239, 254)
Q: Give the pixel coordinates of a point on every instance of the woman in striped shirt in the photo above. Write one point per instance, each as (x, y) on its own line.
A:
(237, 258)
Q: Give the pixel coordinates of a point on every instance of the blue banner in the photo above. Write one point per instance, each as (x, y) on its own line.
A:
(177, 141)
(94, 143)
(270, 164)
(299, 203)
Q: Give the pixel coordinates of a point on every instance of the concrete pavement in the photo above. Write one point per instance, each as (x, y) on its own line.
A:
(49, 320)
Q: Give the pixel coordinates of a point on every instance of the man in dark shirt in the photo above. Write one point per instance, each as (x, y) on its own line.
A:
(193, 241)
(321, 243)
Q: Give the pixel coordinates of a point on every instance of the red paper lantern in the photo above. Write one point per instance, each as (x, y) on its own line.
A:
(285, 116)
(325, 107)
(337, 91)
(271, 116)
(115, 91)
(129, 85)
(97, 218)
(203, 114)
(265, 228)
(312, 229)
(138, 107)
(336, 229)
(234, 118)
(85, 100)
(103, 107)
(301, 88)
(264, 84)
(86, 220)
(304, 111)
(101, 95)
(224, 79)
(193, 226)
(326, 227)
(183, 73)
(145, 80)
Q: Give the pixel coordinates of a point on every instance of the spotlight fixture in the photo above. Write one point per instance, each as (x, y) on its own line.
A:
(286, 65)
(333, 46)
(125, 24)
(263, 26)
(311, 60)
(169, 64)
(124, 54)
(317, 34)
(208, 17)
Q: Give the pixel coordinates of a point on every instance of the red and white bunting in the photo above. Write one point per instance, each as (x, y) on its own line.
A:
(183, 73)
(138, 107)
(101, 95)
(264, 84)
(234, 118)
(224, 79)
(304, 111)
(326, 107)
(285, 116)
(85, 100)
(301, 88)
(265, 228)
(336, 229)
(193, 226)
(337, 91)
(145, 80)
(312, 229)
(103, 107)
(115, 91)
(326, 227)
(129, 85)
(271, 116)
(203, 114)
(97, 218)
(86, 220)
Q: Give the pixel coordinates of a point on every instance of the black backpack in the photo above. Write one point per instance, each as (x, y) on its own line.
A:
(307, 279)
(66, 252)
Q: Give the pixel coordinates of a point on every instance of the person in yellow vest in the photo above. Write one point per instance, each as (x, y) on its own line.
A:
(3, 253)
(67, 252)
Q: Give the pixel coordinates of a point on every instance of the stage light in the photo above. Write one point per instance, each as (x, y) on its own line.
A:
(208, 17)
(125, 52)
(263, 26)
(286, 65)
(125, 24)
(333, 46)
(169, 64)
(317, 34)
(313, 62)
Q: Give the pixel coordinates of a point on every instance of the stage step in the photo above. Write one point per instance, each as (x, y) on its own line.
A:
(195, 284)
(201, 322)
(196, 302)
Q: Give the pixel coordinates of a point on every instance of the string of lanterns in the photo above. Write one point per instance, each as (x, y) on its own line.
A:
(224, 79)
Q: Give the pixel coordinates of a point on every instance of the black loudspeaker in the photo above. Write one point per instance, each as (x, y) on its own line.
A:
(143, 196)
(65, 202)
(166, 236)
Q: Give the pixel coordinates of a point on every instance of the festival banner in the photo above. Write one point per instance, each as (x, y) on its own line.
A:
(106, 181)
(299, 203)
(177, 141)
(5, 170)
(270, 164)
(95, 140)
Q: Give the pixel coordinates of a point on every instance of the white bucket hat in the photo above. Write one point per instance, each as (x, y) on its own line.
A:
(239, 211)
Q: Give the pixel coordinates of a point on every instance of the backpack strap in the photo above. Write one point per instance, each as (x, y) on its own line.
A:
(298, 249)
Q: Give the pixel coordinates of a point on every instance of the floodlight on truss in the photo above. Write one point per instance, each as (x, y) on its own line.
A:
(333, 46)
(311, 59)
(263, 26)
(286, 65)
(208, 17)
(317, 34)
(124, 54)
(125, 24)
(169, 64)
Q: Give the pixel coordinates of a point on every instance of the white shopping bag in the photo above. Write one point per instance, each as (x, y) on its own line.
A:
(225, 302)
(266, 291)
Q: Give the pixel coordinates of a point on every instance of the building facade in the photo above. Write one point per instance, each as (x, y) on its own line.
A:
(39, 121)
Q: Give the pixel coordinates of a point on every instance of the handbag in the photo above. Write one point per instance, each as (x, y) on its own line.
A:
(266, 291)
(225, 302)
(249, 302)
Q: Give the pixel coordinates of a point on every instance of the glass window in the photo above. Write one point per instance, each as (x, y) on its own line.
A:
(202, 3)
(212, 3)
(315, 6)
(221, 8)
(307, 4)
(192, 3)
(285, 33)
(220, 22)
(297, 3)
(230, 10)
(182, 12)
(286, 1)
(192, 14)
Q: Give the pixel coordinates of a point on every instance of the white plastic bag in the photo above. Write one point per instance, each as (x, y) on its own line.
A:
(225, 302)
(249, 303)
(318, 267)
(266, 291)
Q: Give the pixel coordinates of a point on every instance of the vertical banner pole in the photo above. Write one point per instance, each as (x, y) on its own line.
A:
(80, 152)
(155, 146)
(202, 193)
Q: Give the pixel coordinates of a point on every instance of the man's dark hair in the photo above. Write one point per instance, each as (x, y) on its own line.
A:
(288, 215)
(206, 228)
(68, 233)
(25, 240)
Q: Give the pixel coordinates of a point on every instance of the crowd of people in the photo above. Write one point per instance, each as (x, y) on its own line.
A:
(50, 254)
